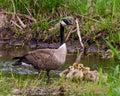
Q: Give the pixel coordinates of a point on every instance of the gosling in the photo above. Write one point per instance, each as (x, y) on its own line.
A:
(66, 71)
(76, 74)
(91, 75)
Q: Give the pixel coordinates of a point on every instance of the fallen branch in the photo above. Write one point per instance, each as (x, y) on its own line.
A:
(67, 35)
(18, 14)
(81, 43)
(21, 23)
(78, 32)
(16, 24)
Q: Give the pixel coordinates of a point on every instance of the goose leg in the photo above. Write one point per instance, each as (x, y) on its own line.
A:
(48, 76)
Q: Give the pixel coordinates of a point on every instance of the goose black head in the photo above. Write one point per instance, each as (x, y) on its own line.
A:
(65, 22)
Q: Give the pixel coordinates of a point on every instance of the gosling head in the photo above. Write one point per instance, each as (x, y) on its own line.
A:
(70, 68)
(75, 65)
(80, 66)
(65, 22)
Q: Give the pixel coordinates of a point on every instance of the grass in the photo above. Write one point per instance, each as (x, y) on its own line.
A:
(25, 83)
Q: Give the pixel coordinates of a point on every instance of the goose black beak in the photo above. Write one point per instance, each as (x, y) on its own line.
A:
(68, 22)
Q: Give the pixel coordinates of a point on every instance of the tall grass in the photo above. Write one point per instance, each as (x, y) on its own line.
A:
(98, 16)
(34, 6)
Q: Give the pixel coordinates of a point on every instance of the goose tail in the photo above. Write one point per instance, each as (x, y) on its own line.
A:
(18, 61)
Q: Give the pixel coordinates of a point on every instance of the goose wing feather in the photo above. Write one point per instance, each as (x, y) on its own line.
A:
(42, 58)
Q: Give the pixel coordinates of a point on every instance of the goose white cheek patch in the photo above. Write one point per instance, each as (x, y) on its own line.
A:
(63, 23)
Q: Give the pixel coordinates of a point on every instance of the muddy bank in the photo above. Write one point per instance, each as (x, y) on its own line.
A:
(31, 36)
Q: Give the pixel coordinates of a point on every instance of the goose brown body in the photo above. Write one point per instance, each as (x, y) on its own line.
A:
(48, 59)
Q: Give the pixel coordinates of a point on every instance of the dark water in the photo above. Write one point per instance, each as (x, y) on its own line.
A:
(8, 52)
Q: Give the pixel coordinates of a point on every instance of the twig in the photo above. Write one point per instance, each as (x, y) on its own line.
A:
(80, 39)
(16, 24)
(67, 35)
(21, 23)
(28, 17)
(18, 14)
(78, 32)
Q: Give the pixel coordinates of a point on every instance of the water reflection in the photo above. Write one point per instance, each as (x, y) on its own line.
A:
(8, 52)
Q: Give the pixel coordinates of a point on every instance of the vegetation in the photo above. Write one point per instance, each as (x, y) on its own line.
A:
(114, 50)
(31, 85)
(97, 17)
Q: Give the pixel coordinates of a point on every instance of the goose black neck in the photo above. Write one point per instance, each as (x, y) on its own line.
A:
(62, 34)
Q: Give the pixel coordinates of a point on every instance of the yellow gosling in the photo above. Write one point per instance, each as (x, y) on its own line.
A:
(80, 66)
(76, 74)
(75, 65)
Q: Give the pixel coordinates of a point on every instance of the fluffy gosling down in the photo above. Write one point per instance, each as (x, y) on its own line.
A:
(78, 71)
(76, 74)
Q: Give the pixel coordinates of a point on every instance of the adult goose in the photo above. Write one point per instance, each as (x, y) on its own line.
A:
(46, 59)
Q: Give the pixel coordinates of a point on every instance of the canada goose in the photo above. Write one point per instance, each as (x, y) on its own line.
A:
(46, 59)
